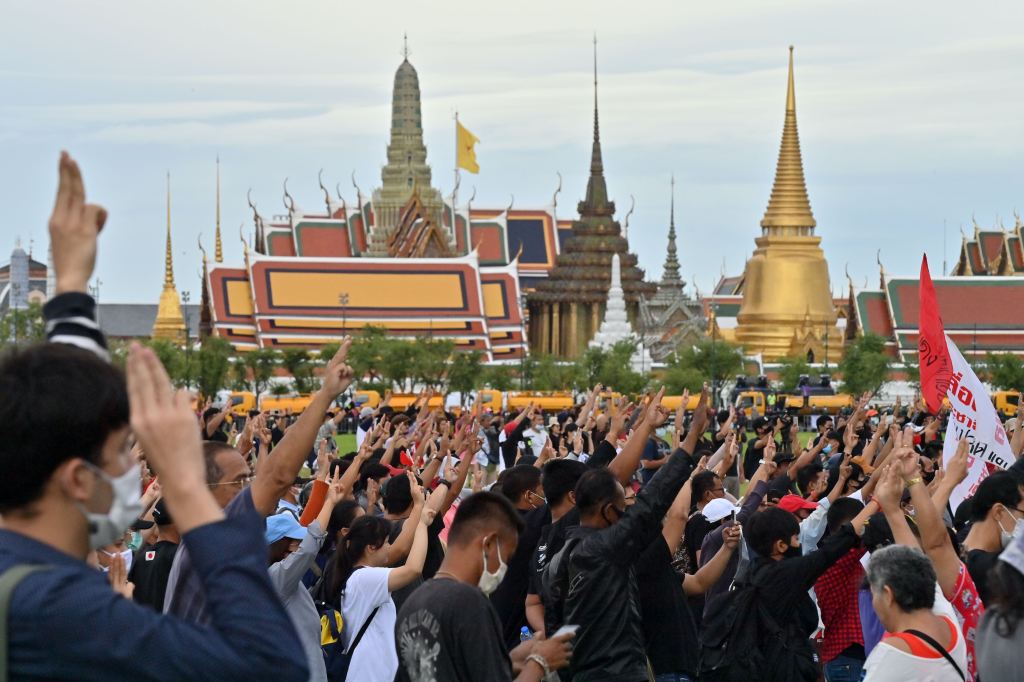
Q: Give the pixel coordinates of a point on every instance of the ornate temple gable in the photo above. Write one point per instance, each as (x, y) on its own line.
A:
(991, 252)
(416, 235)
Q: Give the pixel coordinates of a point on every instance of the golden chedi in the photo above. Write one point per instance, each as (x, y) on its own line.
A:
(787, 307)
(169, 323)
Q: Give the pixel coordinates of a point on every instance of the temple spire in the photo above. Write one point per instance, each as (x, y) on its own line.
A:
(789, 207)
(168, 259)
(218, 251)
(670, 276)
(596, 201)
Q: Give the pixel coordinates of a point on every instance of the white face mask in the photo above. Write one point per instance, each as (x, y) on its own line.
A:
(1006, 536)
(489, 581)
(126, 556)
(125, 507)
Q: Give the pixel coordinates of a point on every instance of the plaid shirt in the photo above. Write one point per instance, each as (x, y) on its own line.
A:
(836, 590)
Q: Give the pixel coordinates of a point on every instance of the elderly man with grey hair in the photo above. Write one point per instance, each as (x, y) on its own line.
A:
(924, 640)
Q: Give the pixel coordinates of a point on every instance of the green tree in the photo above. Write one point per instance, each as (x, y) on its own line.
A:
(548, 374)
(397, 363)
(498, 377)
(260, 364)
(1005, 371)
(464, 373)
(430, 360)
(366, 356)
(171, 356)
(279, 389)
(865, 366)
(713, 361)
(299, 364)
(213, 360)
(790, 371)
(21, 326)
(611, 367)
(913, 372)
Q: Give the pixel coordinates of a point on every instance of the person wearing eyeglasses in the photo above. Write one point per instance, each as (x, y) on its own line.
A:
(521, 485)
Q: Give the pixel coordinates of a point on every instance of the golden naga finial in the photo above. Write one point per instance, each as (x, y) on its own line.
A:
(558, 190)
(511, 201)
(218, 249)
(199, 242)
(327, 195)
(287, 200)
(168, 257)
(881, 268)
(632, 207)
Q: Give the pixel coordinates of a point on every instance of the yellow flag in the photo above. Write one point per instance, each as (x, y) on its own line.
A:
(465, 143)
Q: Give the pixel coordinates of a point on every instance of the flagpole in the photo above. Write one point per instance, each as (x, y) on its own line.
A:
(455, 187)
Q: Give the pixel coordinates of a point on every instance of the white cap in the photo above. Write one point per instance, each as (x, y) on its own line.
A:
(718, 509)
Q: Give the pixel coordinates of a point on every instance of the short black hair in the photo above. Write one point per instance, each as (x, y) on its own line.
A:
(596, 488)
(806, 476)
(483, 511)
(372, 470)
(999, 488)
(397, 495)
(559, 478)
(57, 403)
(518, 480)
(767, 526)
(702, 483)
(843, 510)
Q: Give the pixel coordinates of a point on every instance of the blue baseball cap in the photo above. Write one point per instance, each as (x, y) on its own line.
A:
(283, 525)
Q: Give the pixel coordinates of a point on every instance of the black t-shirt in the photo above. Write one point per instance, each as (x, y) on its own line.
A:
(447, 630)
(670, 634)
(435, 555)
(752, 459)
(697, 528)
(509, 600)
(979, 564)
(552, 540)
(150, 570)
(604, 453)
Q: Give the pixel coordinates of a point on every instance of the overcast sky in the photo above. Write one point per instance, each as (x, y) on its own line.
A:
(909, 114)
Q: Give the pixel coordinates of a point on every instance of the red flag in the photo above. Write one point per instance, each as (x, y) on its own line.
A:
(932, 353)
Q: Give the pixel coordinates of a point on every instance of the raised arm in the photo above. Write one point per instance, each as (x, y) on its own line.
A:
(955, 473)
(278, 475)
(675, 519)
(413, 566)
(400, 548)
(627, 461)
(710, 573)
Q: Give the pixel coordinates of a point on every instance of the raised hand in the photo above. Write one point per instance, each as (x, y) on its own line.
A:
(338, 375)
(74, 230)
(700, 415)
(323, 461)
(656, 414)
(336, 491)
(731, 536)
(889, 490)
(956, 467)
(118, 577)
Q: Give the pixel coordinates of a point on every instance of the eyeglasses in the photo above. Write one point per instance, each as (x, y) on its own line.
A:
(238, 482)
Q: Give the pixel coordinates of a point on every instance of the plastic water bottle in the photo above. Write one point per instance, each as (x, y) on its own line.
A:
(525, 634)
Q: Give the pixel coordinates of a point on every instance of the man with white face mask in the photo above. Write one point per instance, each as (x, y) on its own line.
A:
(448, 630)
(70, 484)
(996, 510)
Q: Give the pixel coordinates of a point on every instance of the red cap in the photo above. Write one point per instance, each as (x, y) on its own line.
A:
(794, 503)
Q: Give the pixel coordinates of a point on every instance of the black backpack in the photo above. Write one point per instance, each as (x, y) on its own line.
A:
(741, 640)
(332, 632)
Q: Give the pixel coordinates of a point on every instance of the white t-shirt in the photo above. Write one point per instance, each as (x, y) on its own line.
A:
(889, 664)
(375, 658)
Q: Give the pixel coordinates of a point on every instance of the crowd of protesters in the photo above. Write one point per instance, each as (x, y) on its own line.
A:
(609, 541)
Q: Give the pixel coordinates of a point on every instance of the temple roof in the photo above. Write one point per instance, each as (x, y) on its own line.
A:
(980, 314)
(992, 252)
(789, 206)
(582, 271)
(670, 277)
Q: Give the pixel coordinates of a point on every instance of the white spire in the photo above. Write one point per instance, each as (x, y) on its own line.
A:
(616, 327)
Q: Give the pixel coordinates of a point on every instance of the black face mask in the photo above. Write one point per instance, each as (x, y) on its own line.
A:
(792, 552)
(928, 476)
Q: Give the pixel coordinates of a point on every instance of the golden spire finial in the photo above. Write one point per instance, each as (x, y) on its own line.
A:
(168, 259)
(218, 249)
(789, 207)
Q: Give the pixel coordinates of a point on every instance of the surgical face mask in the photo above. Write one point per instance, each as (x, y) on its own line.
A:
(489, 581)
(1006, 536)
(827, 449)
(134, 541)
(125, 507)
(126, 556)
(793, 552)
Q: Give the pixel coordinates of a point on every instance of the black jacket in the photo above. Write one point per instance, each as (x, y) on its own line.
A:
(592, 582)
(511, 444)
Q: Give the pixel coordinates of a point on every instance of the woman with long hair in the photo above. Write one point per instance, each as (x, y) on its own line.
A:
(365, 583)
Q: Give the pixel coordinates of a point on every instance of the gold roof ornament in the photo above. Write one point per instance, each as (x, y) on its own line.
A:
(789, 208)
(218, 249)
(170, 322)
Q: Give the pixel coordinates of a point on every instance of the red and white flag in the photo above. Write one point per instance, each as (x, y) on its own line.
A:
(945, 373)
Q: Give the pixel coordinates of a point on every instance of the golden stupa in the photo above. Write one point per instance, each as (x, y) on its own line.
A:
(787, 307)
(170, 323)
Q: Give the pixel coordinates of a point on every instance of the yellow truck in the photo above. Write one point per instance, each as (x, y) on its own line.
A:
(1005, 402)
(241, 403)
(671, 402)
(285, 404)
(547, 401)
